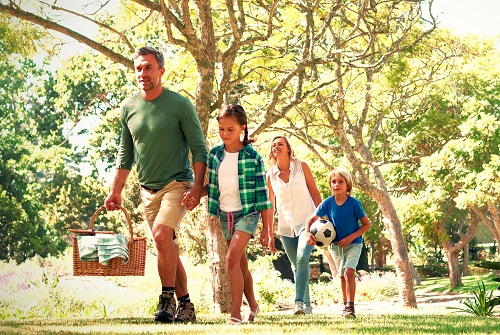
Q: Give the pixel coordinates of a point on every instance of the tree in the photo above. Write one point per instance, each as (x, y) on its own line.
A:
(467, 167)
(272, 56)
(42, 193)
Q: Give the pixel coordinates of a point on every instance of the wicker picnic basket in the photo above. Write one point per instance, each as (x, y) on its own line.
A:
(136, 248)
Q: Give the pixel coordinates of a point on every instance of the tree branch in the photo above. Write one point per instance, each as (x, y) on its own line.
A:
(24, 15)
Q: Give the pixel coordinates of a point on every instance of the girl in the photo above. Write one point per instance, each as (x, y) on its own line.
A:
(344, 212)
(237, 194)
(294, 193)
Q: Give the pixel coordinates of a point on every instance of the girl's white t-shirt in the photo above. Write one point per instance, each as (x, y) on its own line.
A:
(229, 191)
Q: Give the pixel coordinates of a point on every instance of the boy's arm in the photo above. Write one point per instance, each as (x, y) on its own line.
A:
(365, 226)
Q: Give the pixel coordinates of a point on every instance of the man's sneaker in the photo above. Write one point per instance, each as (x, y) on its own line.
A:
(349, 313)
(308, 309)
(299, 308)
(166, 308)
(185, 312)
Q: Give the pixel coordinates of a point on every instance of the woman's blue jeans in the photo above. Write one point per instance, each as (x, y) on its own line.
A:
(298, 252)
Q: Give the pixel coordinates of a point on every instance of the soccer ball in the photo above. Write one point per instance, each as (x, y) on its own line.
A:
(324, 231)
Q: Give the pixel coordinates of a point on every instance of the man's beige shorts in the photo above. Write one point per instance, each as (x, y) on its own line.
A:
(164, 207)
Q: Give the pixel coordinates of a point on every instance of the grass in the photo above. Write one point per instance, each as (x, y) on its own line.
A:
(267, 324)
(42, 297)
(442, 285)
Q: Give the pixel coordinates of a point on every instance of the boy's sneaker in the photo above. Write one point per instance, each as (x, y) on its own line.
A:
(166, 308)
(308, 309)
(185, 312)
(349, 313)
(299, 308)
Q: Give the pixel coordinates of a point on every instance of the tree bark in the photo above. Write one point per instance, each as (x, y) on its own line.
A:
(465, 270)
(401, 259)
(453, 250)
(454, 268)
(489, 221)
(217, 249)
(416, 278)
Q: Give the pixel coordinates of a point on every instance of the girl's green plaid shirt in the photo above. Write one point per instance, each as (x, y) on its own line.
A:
(252, 180)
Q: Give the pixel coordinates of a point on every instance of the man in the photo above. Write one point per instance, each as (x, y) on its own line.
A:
(159, 127)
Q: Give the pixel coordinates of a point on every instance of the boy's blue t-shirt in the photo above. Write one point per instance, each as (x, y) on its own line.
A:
(345, 218)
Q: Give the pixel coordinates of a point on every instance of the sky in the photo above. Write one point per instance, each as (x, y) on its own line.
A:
(479, 17)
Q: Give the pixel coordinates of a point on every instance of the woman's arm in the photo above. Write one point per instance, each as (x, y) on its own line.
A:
(311, 185)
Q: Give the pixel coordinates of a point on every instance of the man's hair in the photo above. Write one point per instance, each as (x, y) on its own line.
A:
(151, 51)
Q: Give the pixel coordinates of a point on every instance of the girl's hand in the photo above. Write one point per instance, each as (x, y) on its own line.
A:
(188, 200)
(272, 247)
(264, 238)
(310, 238)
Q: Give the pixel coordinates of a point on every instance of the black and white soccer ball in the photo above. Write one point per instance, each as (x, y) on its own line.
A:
(324, 231)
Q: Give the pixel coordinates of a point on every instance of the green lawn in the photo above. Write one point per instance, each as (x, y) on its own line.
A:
(442, 284)
(267, 324)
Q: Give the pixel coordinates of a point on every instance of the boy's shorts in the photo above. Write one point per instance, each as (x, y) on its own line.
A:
(247, 224)
(346, 257)
(164, 206)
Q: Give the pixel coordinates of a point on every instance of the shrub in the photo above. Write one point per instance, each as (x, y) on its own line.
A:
(482, 304)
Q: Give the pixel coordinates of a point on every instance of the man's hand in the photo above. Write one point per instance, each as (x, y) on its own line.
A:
(191, 198)
(113, 202)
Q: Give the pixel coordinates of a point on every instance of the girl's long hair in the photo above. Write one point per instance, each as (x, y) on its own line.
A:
(236, 111)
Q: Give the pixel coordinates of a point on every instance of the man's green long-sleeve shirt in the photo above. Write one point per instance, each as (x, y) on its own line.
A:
(157, 135)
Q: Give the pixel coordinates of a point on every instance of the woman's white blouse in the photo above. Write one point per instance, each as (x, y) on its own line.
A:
(293, 201)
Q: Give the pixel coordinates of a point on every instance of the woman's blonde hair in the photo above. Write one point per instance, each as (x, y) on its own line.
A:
(344, 173)
(291, 153)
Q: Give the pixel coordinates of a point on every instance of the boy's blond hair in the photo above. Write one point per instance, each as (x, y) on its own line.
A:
(344, 173)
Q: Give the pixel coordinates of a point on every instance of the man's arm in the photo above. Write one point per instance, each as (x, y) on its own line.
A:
(114, 199)
(199, 169)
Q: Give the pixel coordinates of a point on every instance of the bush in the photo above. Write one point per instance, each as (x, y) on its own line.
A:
(483, 303)
(432, 269)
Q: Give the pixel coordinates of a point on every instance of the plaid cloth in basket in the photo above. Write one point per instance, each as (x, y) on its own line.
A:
(103, 247)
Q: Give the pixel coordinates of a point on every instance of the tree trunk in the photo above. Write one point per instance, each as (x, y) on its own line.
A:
(454, 268)
(393, 225)
(401, 259)
(465, 270)
(331, 262)
(489, 221)
(416, 278)
(372, 256)
(217, 249)
(453, 250)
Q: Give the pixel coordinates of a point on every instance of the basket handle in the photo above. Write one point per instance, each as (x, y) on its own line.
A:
(91, 224)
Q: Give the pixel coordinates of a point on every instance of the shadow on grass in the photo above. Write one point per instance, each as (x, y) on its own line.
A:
(267, 324)
(469, 284)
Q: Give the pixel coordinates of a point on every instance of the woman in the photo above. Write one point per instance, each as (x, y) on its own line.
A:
(294, 194)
